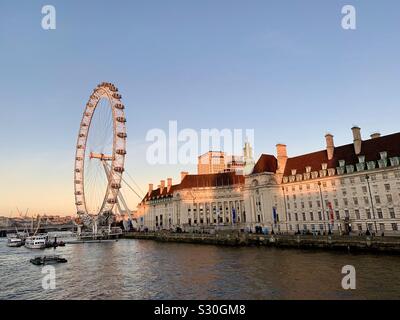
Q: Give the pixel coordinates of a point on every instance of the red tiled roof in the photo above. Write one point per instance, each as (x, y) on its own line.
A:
(199, 181)
(369, 148)
(211, 180)
(266, 163)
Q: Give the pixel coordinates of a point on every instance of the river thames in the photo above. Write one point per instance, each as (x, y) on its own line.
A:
(140, 269)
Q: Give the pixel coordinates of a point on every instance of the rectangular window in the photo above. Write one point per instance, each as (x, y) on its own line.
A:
(387, 187)
(377, 199)
(310, 204)
(366, 200)
(359, 227)
(311, 216)
(336, 202)
(296, 217)
(355, 200)
(357, 214)
(364, 189)
(380, 214)
(337, 215)
(346, 202)
(392, 213)
(394, 227)
(319, 215)
(382, 226)
(389, 198)
(368, 212)
(304, 216)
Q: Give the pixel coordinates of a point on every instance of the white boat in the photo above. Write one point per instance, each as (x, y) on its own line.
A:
(36, 241)
(14, 241)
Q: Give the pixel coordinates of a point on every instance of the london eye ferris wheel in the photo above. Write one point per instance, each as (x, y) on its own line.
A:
(100, 156)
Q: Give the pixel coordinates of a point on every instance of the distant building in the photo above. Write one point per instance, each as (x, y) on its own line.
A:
(218, 162)
(349, 188)
(211, 162)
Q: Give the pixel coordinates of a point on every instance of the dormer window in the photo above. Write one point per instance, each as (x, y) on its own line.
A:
(307, 175)
(294, 172)
(382, 163)
(371, 165)
(308, 169)
(314, 174)
(383, 155)
(360, 166)
(340, 170)
(361, 159)
(394, 161)
(350, 168)
(324, 166)
(331, 172)
(299, 177)
(342, 163)
(285, 179)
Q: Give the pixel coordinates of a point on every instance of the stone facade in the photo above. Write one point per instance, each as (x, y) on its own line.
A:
(354, 187)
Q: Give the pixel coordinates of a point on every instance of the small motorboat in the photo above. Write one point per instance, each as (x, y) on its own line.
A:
(14, 241)
(42, 260)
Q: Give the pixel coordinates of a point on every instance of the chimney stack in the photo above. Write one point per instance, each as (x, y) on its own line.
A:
(375, 135)
(183, 175)
(281, 153)
(162, 186)
(357, 139)
(330, 146)
(150, 188)
(169, 184)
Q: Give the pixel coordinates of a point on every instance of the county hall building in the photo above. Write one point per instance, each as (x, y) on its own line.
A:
(353, 187)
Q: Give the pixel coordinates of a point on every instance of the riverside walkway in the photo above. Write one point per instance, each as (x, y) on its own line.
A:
(329, 242)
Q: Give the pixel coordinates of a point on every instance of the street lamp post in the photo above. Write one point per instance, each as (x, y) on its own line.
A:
(286, 213)
(323, 207)
(372, 202)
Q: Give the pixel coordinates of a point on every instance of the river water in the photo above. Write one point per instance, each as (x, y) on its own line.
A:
(140, 269)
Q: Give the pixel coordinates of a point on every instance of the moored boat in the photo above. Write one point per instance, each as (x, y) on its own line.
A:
(48, 260)
(14, 241)
(36, 241)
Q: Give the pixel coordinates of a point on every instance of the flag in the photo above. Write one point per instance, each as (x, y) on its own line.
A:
(274, 214)
(332, 217)
(233, 215)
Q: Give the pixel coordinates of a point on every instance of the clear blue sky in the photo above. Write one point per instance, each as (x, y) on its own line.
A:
(283, 68)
